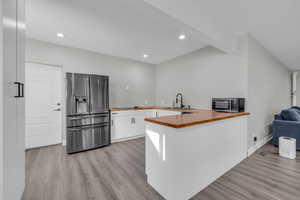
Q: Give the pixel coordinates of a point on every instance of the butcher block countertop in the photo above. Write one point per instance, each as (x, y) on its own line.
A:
(193, 118)
(152, 107)
(190, 118)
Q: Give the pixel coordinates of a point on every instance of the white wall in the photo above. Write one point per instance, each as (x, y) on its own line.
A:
(1, 103)
(269, 87)
(298, 89)
(254, 74)
(131, 83)
(201, 75)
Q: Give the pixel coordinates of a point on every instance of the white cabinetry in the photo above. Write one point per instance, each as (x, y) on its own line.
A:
(120, 126)
(130, 123)
(161, 113)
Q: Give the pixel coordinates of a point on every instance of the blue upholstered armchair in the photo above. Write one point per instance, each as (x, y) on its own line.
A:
(287, 123)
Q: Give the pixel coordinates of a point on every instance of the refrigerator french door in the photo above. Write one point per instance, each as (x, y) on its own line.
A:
(78, 94)
(99, 94)
(88, 116)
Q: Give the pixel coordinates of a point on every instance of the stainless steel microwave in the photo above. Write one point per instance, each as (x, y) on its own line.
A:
(233, 105)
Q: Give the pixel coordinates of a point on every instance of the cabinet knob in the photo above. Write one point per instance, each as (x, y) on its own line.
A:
(133, 120)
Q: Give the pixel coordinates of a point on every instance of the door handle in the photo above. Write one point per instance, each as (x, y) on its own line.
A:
(22, 85)
(20, 89)
(57, 109)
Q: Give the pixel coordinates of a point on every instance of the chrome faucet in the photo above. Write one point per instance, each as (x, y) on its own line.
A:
(181, 101)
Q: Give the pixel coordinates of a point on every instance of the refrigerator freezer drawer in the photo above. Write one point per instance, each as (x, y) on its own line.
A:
(73, 121)
(89, 137)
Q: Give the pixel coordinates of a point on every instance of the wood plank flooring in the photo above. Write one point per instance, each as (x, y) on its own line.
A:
(117, 173)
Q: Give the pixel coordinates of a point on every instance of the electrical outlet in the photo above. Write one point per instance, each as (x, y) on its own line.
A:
(146, 102)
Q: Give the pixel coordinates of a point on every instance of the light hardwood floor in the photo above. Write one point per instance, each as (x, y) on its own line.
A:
(117, 173)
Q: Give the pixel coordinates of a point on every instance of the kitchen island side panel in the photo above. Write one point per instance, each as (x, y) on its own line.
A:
(180, 162)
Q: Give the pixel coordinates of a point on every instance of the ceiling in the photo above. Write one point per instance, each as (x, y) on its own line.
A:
(123, 28)
(131, 28)
(277, 27)
(275, 23)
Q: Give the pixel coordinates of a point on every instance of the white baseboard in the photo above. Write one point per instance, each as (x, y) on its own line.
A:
(258, 145)
(125, 139)
(64, 142)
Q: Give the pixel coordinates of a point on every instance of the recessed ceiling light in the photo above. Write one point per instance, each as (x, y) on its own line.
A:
(60, 35)
(145, 56)
(182, 37)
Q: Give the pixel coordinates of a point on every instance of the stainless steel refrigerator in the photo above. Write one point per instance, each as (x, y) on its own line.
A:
(88, 115)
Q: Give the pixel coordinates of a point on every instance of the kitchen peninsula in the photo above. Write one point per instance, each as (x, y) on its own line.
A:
(185, 153)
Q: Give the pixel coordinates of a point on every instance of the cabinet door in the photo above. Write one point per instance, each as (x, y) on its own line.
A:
(150, 113)
(161, 113)
(133, 126)
(112, 128)
(121, 127)
(139, 126)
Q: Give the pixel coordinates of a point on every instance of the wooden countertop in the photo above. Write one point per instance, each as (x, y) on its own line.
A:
(137, 108)
(194, 118)
(152, 107)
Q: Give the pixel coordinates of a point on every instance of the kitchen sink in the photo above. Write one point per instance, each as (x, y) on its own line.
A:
(186, 113)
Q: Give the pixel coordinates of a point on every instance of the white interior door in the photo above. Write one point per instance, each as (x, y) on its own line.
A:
(43, 89)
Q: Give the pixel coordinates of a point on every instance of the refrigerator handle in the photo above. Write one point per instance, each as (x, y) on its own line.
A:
(75, 104)
(89, 94)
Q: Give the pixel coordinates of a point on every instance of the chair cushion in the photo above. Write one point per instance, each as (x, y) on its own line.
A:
(296, 108)
(290, 115)
(278, 117)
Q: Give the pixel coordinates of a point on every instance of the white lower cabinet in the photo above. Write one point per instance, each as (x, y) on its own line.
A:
(161, 113)
(127, 124)
(120, 127)
(130, 124)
